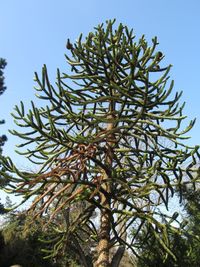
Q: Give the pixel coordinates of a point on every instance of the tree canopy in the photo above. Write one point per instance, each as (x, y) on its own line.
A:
(110, 136)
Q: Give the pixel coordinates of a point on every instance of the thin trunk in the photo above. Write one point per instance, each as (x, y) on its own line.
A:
(118, 256)
(103, 248)
(104, 240)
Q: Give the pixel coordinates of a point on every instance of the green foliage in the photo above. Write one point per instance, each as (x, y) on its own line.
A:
(20, 242)
(26, 242)
(192, 207)
(64, 245)
(2, 89)
(101, 138)
(3, 138)
(185, 244)
(151, 253)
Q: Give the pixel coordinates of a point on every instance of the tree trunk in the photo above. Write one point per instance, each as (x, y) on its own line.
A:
(104, 239)
(103, 248)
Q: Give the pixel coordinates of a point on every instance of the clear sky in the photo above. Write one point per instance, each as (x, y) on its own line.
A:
(35, 32)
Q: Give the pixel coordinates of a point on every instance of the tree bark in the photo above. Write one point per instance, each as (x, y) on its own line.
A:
(103, 248)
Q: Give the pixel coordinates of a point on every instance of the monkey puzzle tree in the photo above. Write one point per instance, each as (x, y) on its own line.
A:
(111, 137)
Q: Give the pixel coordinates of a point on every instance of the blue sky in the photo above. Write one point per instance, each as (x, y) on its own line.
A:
(35, 32)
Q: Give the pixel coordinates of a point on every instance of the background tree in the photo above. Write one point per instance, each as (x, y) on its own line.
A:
(25, 242)
(192, 221)
(2, 137)
(2, 89)
(20, 242)
(100, 140)
(185, 246)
